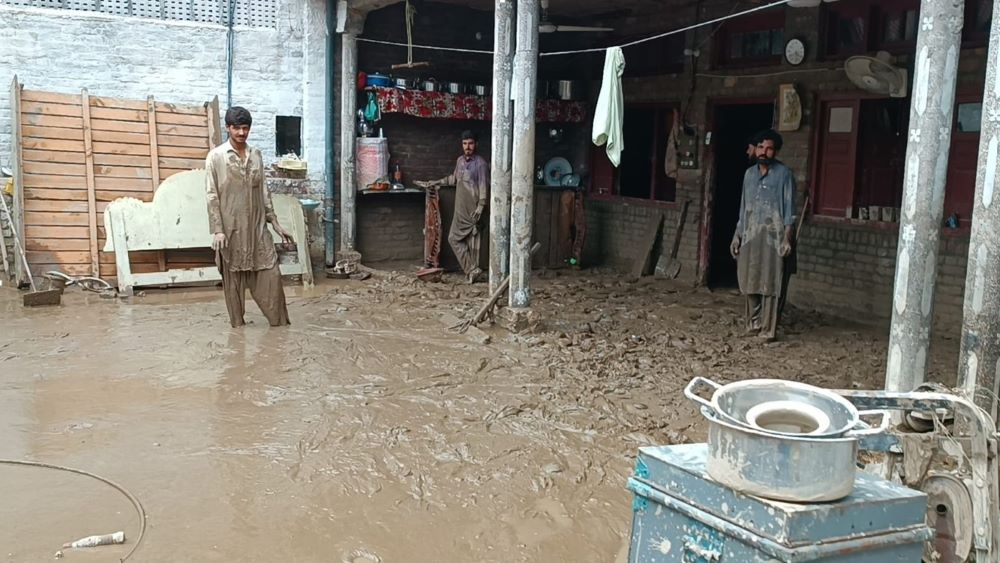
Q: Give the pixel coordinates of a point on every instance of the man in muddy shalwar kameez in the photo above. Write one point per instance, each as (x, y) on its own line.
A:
(471, 179)
(239, 208)
(764, 234)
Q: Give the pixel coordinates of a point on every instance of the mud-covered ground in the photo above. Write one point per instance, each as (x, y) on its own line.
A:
(367, 431)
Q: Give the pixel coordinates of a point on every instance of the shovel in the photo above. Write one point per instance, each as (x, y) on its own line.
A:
(35, 298)
(674, 267)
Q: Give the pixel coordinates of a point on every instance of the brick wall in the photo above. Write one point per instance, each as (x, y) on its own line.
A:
(277, 71)
(846, 267)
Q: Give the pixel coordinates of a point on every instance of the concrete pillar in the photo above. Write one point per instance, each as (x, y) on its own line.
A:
(348, 122)
(931, 108)
(524, 86)
(979, 360)
(500, 171)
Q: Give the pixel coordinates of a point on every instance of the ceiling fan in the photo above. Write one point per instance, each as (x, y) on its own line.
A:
(545, 26)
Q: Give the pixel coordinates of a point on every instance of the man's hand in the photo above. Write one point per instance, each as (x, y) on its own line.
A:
(785, 248)
(285, 235)
(219, 241)
(477, 214)
(424, 184)
(734, 247)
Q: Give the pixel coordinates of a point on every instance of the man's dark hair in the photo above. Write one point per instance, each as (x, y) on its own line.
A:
(237, 115)
(469, 135)
(773, 136)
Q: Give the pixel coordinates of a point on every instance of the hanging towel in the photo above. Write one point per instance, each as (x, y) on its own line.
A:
(670, 166)
(610, 105)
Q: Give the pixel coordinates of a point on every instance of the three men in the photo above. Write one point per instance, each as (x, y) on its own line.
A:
(764, 235)
(471, 179)
(239, 208)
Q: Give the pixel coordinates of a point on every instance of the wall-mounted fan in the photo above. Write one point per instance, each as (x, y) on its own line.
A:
(877, 74)
(545, 26)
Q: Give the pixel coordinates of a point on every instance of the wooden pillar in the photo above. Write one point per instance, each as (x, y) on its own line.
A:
(88, 151)
(931, 107)
(500, 171)
(524, 87)
(17, 218)
(979, 360)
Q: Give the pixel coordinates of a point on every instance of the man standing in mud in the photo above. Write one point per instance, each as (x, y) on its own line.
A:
(471, 179)
(764, 235)
(239, 208)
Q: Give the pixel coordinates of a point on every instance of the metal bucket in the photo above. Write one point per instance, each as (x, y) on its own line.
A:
(781, 407)
(791, 469)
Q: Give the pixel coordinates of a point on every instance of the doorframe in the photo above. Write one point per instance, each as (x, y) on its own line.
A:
(708, 178)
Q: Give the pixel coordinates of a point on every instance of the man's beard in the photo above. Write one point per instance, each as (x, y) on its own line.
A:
(765, 160)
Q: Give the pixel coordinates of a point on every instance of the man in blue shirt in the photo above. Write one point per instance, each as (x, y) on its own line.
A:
(764, 235)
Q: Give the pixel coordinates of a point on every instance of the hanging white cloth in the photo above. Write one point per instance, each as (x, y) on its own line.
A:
(610, 107)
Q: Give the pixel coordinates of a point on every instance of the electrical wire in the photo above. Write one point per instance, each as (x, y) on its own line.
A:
(140, 511)
(729, 16)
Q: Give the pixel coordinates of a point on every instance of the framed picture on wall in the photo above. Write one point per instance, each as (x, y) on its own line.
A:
(789, 108)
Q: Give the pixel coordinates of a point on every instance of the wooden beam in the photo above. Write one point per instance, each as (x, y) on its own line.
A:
(154, 157)
(17, 221)
(88, 151)
(214, 133)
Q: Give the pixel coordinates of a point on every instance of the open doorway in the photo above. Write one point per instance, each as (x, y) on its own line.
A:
(734, 125)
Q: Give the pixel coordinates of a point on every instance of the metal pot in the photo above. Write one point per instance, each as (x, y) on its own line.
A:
(781, 407)
(784, 468)
(568, 89)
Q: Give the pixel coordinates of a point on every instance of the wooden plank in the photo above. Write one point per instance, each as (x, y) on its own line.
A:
(119, 114)
(124, 172)
(182, 163)
(68, 269)
(56, 245)
(135, 256)
(17, 221)
(68, 257)
(33, 143)
(91, 182)
(120, 126)
(120, 137)
(121, 160)
(59, 110)
(58, 194)
(212, 113)
(55, 168)
(109, 196)
(195, 275)
(117, 148)
(183, 130)
(181, 119)
(50, 205)
(45, 232)
(35, 155)
(154, 155)
(168, 172)
(52, 181)
(120, 184)
(650, 233)
(183, 152)
(50, 97)
(55, 219)
(177, 108)
(176, 141)
(51, 121)
(52, 133)
(116, 103)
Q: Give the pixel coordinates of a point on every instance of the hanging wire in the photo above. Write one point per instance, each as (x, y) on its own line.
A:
(730, 16)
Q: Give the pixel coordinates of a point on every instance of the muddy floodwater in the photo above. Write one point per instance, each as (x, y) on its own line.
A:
(367, 431)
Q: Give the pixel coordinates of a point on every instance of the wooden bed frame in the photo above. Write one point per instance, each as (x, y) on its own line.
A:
(178, 218)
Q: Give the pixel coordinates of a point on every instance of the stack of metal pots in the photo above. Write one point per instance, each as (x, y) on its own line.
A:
(782, 440)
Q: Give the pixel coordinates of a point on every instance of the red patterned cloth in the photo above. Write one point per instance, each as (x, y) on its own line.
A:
(441, 105)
